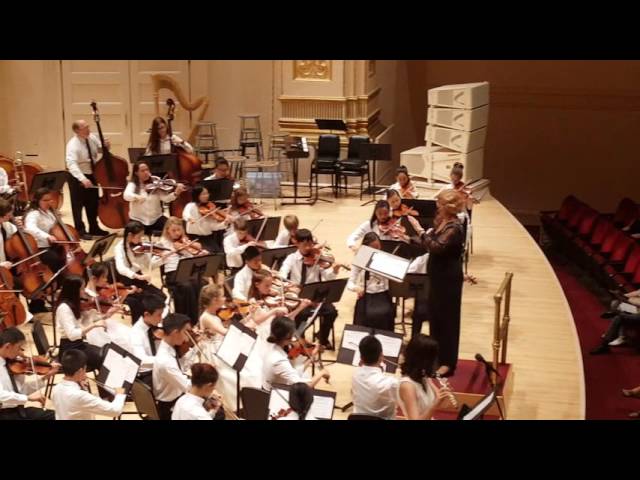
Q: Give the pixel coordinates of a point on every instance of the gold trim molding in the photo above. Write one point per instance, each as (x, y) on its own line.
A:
(312, 70)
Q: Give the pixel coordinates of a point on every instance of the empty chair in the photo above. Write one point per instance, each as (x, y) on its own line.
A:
(326, 162)
(627, 212)
(145, 401)
(620, 274)
(255, 403)
(353, 165)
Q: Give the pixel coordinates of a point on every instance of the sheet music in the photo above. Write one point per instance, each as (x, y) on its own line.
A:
(235, 342)
(278, 402)
(131, 370)
(384, 263)
(356, 358)
(117, 374)
(390, 345)
(111, 360)
(322, 407)
(484, 403)
(246, 343)
(352, 338)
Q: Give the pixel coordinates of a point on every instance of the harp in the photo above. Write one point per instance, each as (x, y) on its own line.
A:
(160, 81)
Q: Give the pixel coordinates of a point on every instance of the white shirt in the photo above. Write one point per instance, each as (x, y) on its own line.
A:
(9, 229)
(77, 156)
(170, 262)
(144, 207)
(169, 381)
(191, 407)
(396, 186)
(242, 284)
(292, 269)
(374, 392)
(362, 230)
(425, 399)
(283, 238)
(67, 324)
(4, 182)
(419, 264)
(278, 369)
(203, 227)
(233, 250)
(376, 283)
(10, 398)
(39, 223)
(140, 346)
(136, 263)
(165, 145)
(214, 177)
(73, 403)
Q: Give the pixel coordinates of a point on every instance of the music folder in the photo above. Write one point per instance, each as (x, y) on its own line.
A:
(237, 345)
(220, 189)
(273, 257)
(391, 267)
(270, 230)
(349, 352)
(161, 165)
(119, 369)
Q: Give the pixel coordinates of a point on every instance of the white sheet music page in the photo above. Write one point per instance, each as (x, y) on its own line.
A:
(322, 407)
(388, 264)
(228, 351)
(390, 345)
(351, 339)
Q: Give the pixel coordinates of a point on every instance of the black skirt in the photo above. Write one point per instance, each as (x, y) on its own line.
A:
(375, 310)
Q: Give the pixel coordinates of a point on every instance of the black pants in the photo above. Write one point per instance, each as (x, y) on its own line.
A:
(87, 198)
(93, 353)
(420, 315)
(26, 413)
(212, 243)
(185, 296)
(157, 226)
(134, 301)
(165, 408)
(619, 321)
(327, 314)
(375, 310)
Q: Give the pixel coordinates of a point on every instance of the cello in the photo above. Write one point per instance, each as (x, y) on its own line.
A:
(69, 240)
(14, 312)
(33, 274)
(111, 173)
(189, 166)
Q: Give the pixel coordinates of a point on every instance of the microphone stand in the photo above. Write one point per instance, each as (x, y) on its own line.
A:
(488, 368)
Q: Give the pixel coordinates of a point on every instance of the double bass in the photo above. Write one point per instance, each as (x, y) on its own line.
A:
(189, 166)
(111, 174)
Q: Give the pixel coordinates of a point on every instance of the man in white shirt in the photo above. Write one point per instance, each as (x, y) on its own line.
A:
(81, 156)
(72, 402)
(144, 344)
(295, 269)
(14, 391)
(169, 380)
(374, 392)
(199, 403)
(242, 281)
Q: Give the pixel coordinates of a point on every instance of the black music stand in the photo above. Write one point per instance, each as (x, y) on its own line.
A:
(295, 154)
(331, 125)
(273, 257)
(220, 189)
(118, 370)
(396, 247)
(270, 230)
(135, 153)
(415, 285)
(196, 268)
(426, 209)
(374, 152)
(100, 247)
(477, 412)
(161, 165)
(54, 181)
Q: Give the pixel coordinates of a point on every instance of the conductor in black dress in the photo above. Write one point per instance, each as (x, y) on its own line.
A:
(445, 244)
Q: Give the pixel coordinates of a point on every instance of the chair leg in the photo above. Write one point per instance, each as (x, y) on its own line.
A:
(361, 185)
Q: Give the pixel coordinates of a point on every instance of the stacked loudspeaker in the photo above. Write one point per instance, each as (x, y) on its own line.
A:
(457, 118)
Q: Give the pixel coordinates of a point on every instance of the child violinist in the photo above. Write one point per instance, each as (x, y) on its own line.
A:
(403, 184)
(204, 220)
(381, 222)
(286, 236)
(236, 243)
(241, 207)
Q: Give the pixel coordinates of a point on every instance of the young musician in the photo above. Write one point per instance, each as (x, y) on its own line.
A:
(206, 228)
(236, 243)
(146, 207)
(71, 329)
(185, 294)
(38, 221)
(200, 402)
(81, 156)
(130, 265)
(241, 207)
(242, 282)
(159, 141)
(296, 269)
(15, 392)
(300, 401)
(286, 237)
(398, 209)
(456, 174)
(374, 307)
(7, 229)
(445, 244)
(70, 398)
(418, 396)
(7, 192)
(380, 219)
(403, 183)
(374, 391)
(277, 367)
(222, 170)
(169, 379)
(143, 340)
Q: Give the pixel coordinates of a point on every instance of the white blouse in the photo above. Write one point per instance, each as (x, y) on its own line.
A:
(362, 230)
(292, 269)
(426, 399)
(233, 250)
(144, 207)
(277, 369)
(171, 261)
(68, 325)
(9, 229)
(165, 145)
(39, 223)
(136, 263)
(191, 407)
(195, 226)
(396, 186)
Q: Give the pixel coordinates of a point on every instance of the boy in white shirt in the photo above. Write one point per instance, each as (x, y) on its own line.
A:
(235, 245)
(200, 402)
(144, 343)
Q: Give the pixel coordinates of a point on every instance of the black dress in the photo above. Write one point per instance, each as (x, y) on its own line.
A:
(445, 288)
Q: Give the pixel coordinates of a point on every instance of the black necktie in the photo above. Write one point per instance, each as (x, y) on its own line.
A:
(12, 378)
(90, 155)
(367, 275)
(152, 341)
(303, 273)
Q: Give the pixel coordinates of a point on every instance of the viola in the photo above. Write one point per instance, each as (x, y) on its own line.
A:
(24, 366)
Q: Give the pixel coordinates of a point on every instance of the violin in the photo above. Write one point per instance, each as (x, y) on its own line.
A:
(191, 246)
(319, 255)
(227, 312)
(249, 209)
(283, 412)
(118, 293)
(104, 304)
(193, 337)
(306, 349)
(393, 228)
(403, 210)
(407, 190)
(26, 365)
(210, 209)
(260, 245)
(162, 185)
(289, 300)
(146, 247)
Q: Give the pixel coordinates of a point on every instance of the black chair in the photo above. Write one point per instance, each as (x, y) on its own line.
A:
(255, 403)
(360, 416)
(326, 163)
(145, 401)
(353, 165)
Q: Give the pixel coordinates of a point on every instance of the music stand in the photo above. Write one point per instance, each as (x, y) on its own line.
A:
(270, 230)
(119, 369)
(397, 247)
(374, 152)
(415, 285)
(135, 153)
(273, 257)
(235, 349)
(321, 408)
(161, 165)
(391, 267)
(331, 125)
(220, 189)
(100, 247)
(195, 268)
(426, 209)
(324, 292)
(477, 412)
(54, 181)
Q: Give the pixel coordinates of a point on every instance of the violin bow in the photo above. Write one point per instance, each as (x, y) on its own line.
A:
(33, 368)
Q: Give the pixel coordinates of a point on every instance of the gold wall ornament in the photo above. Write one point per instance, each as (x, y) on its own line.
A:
(312, 70)
(372, 68)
